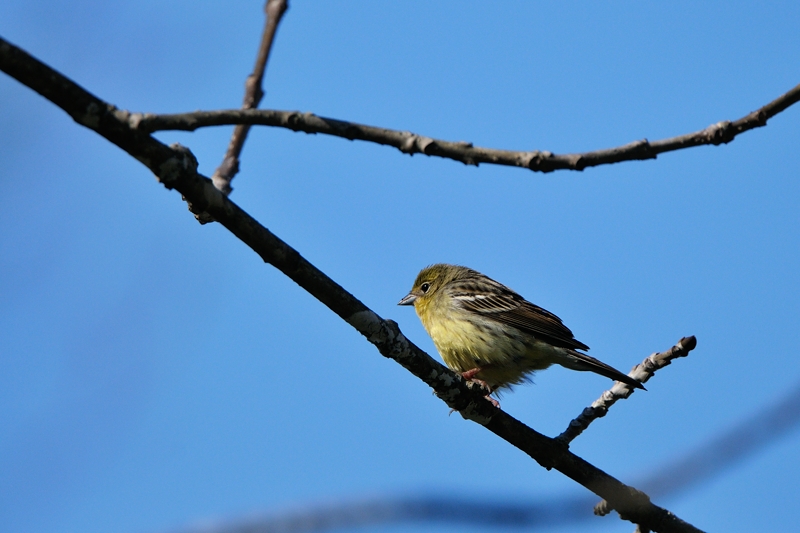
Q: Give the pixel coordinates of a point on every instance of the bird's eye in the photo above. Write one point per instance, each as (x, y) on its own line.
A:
(424, 287)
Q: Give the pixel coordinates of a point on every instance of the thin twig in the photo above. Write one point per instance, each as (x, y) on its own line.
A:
(176, 168)
(411, 143)
(253, 94)
(620, 391)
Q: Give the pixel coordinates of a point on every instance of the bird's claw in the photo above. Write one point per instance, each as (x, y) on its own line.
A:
(469, 375)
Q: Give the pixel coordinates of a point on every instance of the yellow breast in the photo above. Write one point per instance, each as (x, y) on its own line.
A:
(466, 341)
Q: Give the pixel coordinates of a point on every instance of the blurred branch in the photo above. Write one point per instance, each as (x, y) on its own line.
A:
(253, 94)
(417, 510)
(411, 143)
(176, 168)
(620, 391)
(746, 438)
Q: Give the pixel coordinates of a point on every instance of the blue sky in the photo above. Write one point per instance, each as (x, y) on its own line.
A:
(155, 373)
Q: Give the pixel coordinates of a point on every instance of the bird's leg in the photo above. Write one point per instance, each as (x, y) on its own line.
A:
(471, 373)
(470, 376)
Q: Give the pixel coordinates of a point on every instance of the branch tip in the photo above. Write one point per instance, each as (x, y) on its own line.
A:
(621, 391)
(254, 92)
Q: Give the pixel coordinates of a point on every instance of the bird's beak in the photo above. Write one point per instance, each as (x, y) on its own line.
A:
(408, 299)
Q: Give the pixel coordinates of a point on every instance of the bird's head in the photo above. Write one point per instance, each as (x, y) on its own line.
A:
(429, 281)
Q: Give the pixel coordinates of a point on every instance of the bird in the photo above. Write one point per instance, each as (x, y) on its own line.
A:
(493, 336)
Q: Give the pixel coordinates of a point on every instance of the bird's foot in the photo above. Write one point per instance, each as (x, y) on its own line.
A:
(469, 375)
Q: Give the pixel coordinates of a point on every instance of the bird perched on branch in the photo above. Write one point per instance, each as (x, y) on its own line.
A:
(492, 335)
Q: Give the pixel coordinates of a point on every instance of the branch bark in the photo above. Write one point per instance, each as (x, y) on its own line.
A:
(176, 168)
(620, 391)
(253, 94)
(411, 143)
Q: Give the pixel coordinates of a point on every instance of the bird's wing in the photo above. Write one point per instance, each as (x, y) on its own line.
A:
(497, 302)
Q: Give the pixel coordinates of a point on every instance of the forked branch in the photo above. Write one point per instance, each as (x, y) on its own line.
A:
(176, 168)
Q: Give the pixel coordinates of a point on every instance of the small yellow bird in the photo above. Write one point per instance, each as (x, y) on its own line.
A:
(492, 335)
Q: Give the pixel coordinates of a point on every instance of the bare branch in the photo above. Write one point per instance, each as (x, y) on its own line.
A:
(620, 391)
(411, 143)
(176, 168)
(253, 94)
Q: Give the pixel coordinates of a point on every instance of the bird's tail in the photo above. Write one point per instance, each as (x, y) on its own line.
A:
(580, 361)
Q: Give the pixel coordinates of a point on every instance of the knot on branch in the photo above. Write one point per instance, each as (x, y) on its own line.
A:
(133, 119)
(640, 149)
(306, 122)
(645, 370)
(535, 160)
(687, 344)
(293, 118)
(465, 150)
(650, 364)
(754, 119)
(576, 162)
(609, 397)
(628, 504)
(181, 165)
(414, 144)
(149, 122)
(253, 93)
(180, 168)
(602, 508)
(276, 8)
(719, 133)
